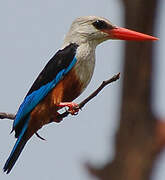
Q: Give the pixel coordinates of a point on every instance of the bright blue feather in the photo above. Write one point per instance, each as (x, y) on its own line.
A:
(31, 101)
(17, 149)
(20, 136)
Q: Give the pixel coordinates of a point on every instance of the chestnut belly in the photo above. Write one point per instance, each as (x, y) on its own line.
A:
(68, 88)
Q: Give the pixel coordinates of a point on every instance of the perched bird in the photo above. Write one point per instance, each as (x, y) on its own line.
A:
(64, 78)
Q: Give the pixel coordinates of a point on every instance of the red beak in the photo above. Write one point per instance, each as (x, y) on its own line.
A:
(126, 34)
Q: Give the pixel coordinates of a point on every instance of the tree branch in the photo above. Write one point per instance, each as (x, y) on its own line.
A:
(10, 116)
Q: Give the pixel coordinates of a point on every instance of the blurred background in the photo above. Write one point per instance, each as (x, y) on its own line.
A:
(30, 34)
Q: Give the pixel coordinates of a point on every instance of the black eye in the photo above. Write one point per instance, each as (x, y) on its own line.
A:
(99, 24)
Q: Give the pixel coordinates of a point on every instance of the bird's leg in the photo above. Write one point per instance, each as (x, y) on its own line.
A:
(73, 107)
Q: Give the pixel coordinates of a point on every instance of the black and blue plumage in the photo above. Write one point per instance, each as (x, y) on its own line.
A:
(55, 70)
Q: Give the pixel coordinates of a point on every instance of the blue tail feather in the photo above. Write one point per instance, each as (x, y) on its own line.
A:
(17, 149)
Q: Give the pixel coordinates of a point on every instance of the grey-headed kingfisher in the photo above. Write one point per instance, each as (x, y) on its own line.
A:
(64, 78)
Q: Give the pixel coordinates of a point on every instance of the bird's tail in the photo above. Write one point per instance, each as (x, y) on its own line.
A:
(16, 151)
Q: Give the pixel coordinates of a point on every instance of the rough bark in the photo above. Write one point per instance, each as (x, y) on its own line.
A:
(140, 136)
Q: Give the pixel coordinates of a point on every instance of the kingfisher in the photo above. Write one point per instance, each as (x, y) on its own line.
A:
(64, 78)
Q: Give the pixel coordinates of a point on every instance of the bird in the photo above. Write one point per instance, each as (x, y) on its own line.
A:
(64, 78)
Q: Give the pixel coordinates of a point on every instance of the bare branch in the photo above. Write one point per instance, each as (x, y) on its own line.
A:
(10, 116)
(104, 83)
(80, 106)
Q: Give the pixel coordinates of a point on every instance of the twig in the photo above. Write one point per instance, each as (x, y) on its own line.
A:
(104, 83)
(80, 105)
(7, 116)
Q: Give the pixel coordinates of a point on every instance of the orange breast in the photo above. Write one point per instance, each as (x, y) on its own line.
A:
(72, 87)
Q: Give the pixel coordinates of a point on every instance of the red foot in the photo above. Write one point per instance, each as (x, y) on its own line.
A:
(73, 107)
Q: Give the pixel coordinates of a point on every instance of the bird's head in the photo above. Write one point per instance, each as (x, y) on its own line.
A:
(95, 30)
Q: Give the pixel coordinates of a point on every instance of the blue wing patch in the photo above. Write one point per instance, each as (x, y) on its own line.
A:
(31, 101)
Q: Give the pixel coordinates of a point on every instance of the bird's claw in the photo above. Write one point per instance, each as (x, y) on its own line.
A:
(73, 111)
(40, 137)
(73, 107)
